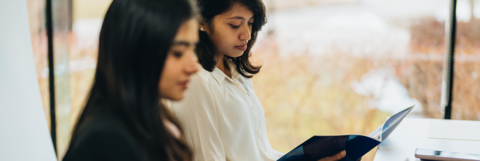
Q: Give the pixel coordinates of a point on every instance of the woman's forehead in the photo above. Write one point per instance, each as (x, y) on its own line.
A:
(238, 11)
(187, 33)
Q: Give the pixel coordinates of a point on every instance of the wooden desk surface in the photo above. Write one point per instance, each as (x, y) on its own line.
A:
(411, 134)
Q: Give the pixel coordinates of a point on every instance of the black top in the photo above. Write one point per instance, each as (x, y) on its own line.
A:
(103, 137)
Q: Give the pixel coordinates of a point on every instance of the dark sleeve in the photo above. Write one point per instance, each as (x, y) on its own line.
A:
(103, 145)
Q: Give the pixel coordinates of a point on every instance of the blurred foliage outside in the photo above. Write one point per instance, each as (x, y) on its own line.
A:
(428, 42)
(305, 95)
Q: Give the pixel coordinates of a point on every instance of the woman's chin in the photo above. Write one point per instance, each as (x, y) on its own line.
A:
(175, 97)
(235, 54)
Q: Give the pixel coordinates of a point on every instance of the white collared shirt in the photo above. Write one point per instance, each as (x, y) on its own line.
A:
(223, 119)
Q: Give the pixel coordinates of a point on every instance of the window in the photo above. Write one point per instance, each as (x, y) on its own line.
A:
(342, 67)
(36, 15)
(76, 27)
(466, 86)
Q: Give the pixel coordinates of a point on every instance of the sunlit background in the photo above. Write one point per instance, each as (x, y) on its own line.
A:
(329, 66)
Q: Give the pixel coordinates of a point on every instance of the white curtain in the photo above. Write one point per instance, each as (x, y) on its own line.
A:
(24, 134)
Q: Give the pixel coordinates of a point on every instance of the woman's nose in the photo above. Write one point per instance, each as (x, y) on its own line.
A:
(245, 34)
(191, 66)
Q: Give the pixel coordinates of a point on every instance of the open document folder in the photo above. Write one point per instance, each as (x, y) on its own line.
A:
(318, 147)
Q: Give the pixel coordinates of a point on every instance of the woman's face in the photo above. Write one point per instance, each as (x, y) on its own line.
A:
(230, 31)
(180, 62)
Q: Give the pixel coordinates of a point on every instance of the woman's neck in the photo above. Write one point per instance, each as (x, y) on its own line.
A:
(222, 65)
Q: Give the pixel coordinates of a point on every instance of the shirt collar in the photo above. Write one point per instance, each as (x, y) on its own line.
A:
(220, 76)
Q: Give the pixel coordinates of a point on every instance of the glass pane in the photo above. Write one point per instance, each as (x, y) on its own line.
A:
(342, 67)
(77, 26)
(62, 27)
(36, 16)
(87, 22)
(466, 83)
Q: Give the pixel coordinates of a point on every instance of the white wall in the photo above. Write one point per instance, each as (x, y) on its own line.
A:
(24, 134)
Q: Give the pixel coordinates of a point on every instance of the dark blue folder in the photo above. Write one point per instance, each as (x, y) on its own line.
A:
(318, 147)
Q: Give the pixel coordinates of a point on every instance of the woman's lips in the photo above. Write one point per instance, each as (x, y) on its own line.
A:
(241, 47)
(184, 84)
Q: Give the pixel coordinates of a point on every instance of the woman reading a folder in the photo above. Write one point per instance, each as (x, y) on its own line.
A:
(221, 115)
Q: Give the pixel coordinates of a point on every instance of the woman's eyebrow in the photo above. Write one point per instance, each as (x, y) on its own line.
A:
(181, 43)
(239, 17)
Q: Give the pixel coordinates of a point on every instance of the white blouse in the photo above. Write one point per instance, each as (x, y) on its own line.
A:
(223, 119)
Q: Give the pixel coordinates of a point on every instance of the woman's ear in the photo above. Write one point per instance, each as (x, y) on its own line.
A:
(202, 27)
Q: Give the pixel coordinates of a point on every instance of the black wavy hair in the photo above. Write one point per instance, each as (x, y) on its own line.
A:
(206, 50)
(135, 38)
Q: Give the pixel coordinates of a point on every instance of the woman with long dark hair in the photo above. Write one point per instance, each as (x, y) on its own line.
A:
(222, 116)
(145, 55)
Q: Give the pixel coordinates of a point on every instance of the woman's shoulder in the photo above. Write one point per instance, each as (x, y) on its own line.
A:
(105, 136)
(246, 81)
(202, 88)
(201, 79)
(106, 127)
(202, 75)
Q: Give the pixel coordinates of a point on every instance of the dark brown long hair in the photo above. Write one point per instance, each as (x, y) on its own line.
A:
(135, 38)
(206, 50)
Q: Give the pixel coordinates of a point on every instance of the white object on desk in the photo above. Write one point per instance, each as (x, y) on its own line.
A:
(412, 134)
(445, 155)
(454, 130)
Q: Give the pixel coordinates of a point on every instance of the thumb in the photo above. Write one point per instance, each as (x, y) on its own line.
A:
(335, 157)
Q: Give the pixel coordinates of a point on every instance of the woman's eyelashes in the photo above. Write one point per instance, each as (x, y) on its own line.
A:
(177, 54)
(234, 26)
(237, 26)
